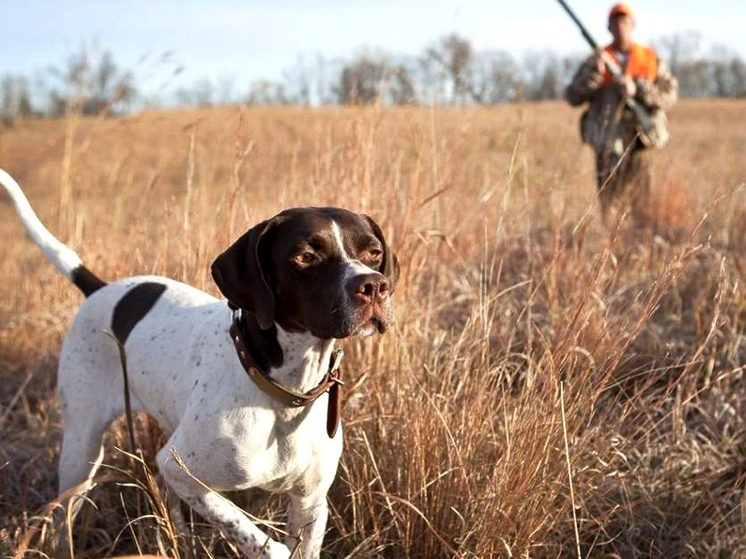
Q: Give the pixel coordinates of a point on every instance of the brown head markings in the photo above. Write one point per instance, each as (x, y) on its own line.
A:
(240, 275)
(287, 270)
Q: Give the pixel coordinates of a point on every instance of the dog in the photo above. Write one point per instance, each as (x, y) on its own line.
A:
(294, 284)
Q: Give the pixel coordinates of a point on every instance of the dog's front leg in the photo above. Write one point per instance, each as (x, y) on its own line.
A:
(306, 525)
(219, 511)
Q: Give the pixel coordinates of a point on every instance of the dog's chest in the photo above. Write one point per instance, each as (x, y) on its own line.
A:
(185, 372)
(260, 447)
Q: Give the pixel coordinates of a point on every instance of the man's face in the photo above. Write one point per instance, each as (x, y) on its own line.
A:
(622, 27)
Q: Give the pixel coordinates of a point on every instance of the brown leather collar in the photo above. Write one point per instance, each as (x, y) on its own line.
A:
(331, 381)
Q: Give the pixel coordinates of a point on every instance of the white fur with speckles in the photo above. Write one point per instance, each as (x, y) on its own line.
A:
(184, 371)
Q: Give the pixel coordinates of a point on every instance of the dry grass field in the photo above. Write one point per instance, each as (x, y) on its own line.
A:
(552, 387)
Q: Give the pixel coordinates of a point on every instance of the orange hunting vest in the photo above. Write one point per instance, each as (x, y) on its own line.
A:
(642, 63)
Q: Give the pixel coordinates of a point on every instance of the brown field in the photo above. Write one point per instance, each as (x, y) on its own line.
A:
(552, 386)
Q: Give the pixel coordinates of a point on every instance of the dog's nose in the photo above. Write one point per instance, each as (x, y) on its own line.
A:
(369, 288)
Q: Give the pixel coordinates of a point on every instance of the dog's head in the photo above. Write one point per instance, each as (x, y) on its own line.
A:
(327, 271)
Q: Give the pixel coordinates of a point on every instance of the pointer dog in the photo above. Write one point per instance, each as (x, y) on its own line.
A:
(301, 280)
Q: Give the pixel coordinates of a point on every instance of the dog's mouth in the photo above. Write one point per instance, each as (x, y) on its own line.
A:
(371, 326)
(364, 320)
(369, 319)
(379, 324)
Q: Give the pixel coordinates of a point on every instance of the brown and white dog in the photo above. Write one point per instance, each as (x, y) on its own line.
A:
(302, 279)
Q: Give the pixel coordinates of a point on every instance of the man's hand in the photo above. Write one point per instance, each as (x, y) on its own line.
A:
(598, 61)
(626, 86)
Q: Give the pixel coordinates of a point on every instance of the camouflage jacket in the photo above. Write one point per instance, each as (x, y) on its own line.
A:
(608, 125)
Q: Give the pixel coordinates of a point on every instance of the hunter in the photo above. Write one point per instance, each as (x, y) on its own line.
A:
(623, 151)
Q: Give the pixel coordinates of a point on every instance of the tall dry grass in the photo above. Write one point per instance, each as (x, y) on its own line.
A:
(552, 388)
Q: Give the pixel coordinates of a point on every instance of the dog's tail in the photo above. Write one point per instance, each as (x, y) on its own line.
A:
(63, 257)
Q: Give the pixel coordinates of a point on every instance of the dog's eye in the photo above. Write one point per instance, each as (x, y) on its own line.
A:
(304, 258)
(374, 255)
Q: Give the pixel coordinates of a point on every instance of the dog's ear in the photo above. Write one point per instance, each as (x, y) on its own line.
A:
(240, 274)
(390, 266)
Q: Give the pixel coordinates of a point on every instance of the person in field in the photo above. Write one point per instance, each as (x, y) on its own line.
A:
(624, 153)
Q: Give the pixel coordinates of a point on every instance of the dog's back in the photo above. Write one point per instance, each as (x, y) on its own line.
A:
(154, 318)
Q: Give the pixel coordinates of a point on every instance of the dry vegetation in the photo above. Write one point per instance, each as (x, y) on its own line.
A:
(532, 343)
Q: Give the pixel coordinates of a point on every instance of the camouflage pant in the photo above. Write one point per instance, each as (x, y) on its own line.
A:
(626, 178)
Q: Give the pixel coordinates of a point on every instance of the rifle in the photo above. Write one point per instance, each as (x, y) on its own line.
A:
(642, 116)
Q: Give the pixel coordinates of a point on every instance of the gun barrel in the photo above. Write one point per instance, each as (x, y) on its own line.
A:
(580, 25)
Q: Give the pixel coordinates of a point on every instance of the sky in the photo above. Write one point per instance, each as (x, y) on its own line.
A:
(246, 41)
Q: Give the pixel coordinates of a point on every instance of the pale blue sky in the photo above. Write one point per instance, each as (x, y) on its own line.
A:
(252, 40)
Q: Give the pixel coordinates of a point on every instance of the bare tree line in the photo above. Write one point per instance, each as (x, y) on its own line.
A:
(448, 72)
(88, 82)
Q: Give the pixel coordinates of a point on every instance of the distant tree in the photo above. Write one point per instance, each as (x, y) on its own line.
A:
(541, 79)
(678, 48)
(401, 87)
(200, 94)
(91, 83)
(454, 54)
(681, 52)
(23, 98)
(480, 84)
(431, 80)
(695, 78)
(15, 97)
(264, 92)
(738, 73)
(361, 80)
(505, 78)
(550, 85)
(297, 80)
(728, 73)
(374, 77)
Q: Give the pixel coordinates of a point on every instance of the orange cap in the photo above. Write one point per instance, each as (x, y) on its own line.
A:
(621, 9)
